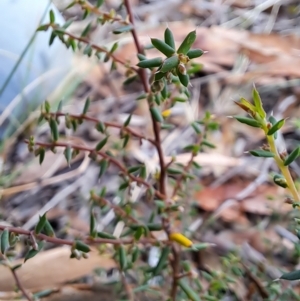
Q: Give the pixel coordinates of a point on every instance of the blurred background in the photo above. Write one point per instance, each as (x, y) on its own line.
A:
(247, 41)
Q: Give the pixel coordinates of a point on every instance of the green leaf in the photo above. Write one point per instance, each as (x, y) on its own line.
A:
(48, 229)
(139, 232)
(52, 38)
(103, 167)
(41, 224)
(280, 181)
(86, 30)
(249, 121)
(258, 103)
(15, 267)
(261, 153)
(100, 127)
(99, 3)
(135, 254)
(194, 53)
(156, 114)
(105, 235)
(41, 155)
(122, 29)
(277, 126)
(292, 156)
(169, 38)
(187, 43)
(88, 50)
(130, 80)
(81, 246)
(54, 129)
(154, 227)
(32, 252)
(169, 64)
(68, 154)
(196, 127)
(86, 106)
(114, 47)
(208, 144)
(68, 23)
(4, 241)
(183, 78)
(141, 57)
(51, 16)
(100, 145)
(162, 260)
(126, 140)
(151, 63)
(273, 121)
(93, 232)
(124, 185)
(43, 27)
(122, 257)
(163, 47)
(127, 121)
(294, 275)
(174, 171)
(191, 294)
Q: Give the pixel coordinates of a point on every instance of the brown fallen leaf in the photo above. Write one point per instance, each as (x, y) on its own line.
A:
(52, 268)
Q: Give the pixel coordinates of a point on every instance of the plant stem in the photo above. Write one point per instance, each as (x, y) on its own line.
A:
(284, 169)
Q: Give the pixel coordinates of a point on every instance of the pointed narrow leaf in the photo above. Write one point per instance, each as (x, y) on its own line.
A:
(294, 275)
(103, 167)
(68, 154)
(4, 242)
(51, 16)
(261, 153)
(41, 224)
(105, 235)
(163, 47)
(194, 53)
(277, 126)
(258, 103)
(86, 30)
(249, 121)
(122, 258)
(292, 156)
(162, 261)
(191, 294)
(122, 29)
(187, 43)
(184, 78)
(81, 246)
(169, 64)
(48, 229)
(54, 129)
(127, 121)
(43, 27)
(169, 38)
(100, 145)
(41, 155)
(52, 38)
(93, 232)
(273, 121)
(151, 63)
(156, 114)
(86, 106)
(32, 252)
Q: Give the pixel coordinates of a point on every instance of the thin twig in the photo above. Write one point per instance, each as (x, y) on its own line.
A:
(158, 144)
(87, 240)
(95, 47)
(114, 161)
(20, 286)
(95, 120)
